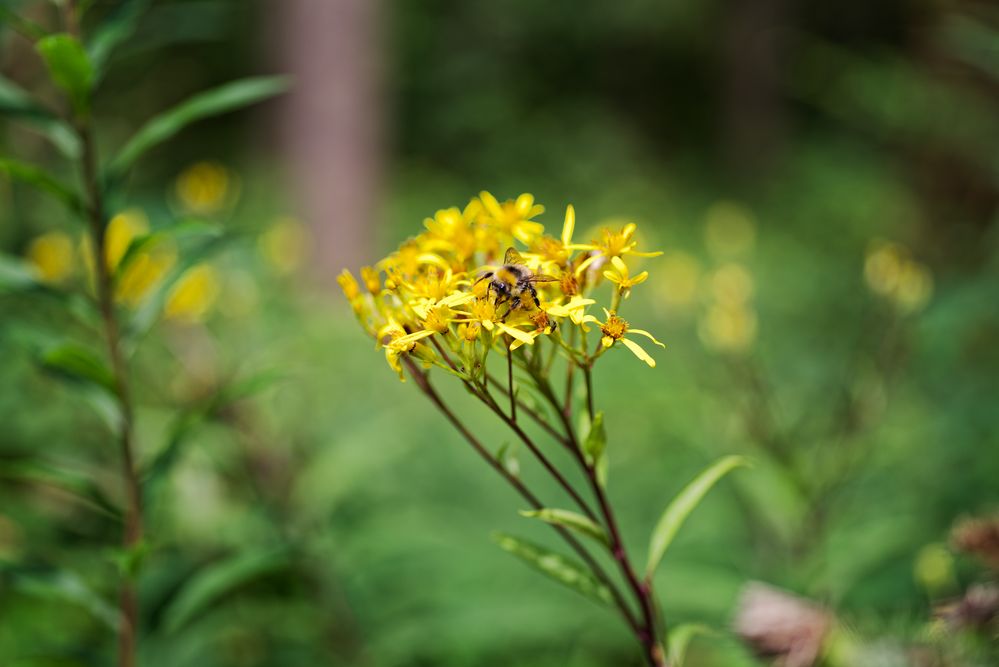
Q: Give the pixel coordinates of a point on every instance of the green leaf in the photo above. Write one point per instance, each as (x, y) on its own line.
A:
(17, 104)
(559, 568)
(507, 456)
(680, 638)
(115, 29)
(228, 97)
(42, 180)
(16, 275)
(218, 579)
(187, 231)
(27, 28)
(65, 586)
(595, 448)
(79, 364)
(681, 507)
(69, 67)
(76, 484)
(570, 520)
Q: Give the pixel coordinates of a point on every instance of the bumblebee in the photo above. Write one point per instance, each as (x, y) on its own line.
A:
(513, 283)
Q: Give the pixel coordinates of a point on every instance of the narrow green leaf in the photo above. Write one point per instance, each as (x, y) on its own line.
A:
(228, 97)
(115, 29)
(69, 66)
(189, 231)
(79, 364)
(507, 455)
(42, 180)
(596, 438)
(679, 640)
(64, 586)
(76, 484)
(572, 521)
(218, 579)
(25, 27)
(16, 275)
(595, 448)
(682, 505)
(561, 569)
(17, 104)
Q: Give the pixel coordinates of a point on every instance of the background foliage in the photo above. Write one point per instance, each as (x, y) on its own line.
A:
(330, 516)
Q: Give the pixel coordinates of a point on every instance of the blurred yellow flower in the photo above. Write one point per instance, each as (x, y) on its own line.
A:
(144, 269)
(121, 231)
(915, 287)
(680, 278)
(890, 272)
(283, 246)
(143, 272)
(729, 230)
(728, 327)
(883, 266)
(732, 285)
(934, 568)
(52, 256)
(204, 187)
(193, 295)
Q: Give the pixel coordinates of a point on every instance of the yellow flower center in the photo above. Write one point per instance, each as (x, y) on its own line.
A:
(550, 249)
(614, 327)
(437, 319)
(483, 309)
(569, 285)
(470, 331)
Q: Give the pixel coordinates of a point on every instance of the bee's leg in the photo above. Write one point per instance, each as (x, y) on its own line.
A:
(534, 295)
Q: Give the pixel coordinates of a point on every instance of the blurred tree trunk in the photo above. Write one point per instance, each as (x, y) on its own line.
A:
(333, 122)
(753, 114)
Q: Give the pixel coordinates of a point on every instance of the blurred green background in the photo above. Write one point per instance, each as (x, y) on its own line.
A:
(824, 181)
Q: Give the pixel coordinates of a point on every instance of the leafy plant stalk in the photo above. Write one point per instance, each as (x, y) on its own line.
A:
(96, 215)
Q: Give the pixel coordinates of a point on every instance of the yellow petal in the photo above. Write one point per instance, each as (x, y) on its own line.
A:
(524, 204)
(640, 278)
(642, 332)
(637, 350)
(492, 206)
(606, 341)
(613, 276)
(405, 341)
(586, 264)
(456, 299)
(644, 254)
(619, 264)
(569, 226)
(523, 336)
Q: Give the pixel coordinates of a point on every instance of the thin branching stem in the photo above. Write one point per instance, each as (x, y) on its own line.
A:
(642, 590)
(423, 382)
(509, 384)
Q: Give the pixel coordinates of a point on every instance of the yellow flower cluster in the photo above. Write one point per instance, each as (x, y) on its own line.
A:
(488, 277)
(55, 259)
(891, 272)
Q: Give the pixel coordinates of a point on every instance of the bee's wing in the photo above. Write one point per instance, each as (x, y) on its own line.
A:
(512, 257)
(542, 278)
